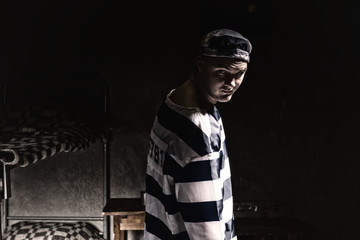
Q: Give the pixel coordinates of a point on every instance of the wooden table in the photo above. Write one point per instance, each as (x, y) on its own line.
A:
(128, 214)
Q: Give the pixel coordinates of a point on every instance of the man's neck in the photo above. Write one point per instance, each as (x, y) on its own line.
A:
(189, 95)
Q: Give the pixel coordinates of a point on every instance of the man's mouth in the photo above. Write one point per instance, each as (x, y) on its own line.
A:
(227, 90)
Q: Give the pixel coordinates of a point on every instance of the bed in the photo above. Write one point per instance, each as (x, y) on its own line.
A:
(41, 116)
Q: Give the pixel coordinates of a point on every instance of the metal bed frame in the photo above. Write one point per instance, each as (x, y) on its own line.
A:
(6, 190)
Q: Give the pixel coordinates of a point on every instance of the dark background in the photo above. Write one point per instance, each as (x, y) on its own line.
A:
(293, 128)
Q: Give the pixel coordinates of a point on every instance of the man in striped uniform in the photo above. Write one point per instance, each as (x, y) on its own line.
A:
(188, 183)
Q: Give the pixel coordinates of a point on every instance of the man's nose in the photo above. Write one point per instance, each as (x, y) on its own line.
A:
(231, 80)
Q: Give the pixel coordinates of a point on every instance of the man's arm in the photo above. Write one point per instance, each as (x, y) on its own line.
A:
(199, 194)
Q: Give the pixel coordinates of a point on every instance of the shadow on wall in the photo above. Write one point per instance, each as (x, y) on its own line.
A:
(128, 162)
(67, 184)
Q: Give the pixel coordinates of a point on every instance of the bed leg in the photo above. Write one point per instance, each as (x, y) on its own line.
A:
(6, 193)
(106, 183)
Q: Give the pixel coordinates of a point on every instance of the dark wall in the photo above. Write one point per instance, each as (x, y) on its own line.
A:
(293, 127)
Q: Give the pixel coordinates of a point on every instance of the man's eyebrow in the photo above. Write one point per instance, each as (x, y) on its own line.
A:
(221, 65)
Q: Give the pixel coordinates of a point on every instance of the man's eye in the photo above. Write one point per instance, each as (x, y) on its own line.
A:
(238, 75)
(221, 72)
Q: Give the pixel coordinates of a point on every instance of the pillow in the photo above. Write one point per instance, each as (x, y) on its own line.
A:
(51, 231)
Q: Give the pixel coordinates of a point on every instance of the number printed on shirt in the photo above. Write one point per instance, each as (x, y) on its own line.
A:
(156, 153)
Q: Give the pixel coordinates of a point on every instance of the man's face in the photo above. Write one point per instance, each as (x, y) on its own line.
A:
(220, 77)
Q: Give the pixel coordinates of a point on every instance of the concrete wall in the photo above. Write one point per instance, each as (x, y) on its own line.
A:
(292, 128)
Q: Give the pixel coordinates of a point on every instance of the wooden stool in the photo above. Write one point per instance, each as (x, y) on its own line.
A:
(128, 214)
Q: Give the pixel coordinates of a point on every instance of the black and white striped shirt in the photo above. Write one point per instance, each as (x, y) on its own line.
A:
(188, 184)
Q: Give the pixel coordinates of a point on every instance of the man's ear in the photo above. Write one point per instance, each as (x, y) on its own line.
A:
(200, 63)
